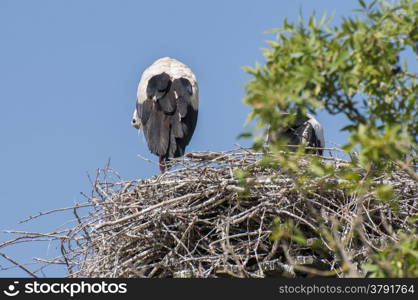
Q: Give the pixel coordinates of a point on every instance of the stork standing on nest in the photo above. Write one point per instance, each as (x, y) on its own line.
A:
(166, 108)
(306, 129)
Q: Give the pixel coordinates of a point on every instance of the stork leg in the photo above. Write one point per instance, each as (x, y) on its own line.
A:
(162, 164)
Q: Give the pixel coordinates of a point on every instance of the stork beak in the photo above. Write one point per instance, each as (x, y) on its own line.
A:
(135, 124)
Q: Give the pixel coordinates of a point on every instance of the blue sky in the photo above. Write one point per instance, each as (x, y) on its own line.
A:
(68, 77)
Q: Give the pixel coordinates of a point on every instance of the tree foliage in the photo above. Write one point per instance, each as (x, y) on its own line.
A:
(357, 69)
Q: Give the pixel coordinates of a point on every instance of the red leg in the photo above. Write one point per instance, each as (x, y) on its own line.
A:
(162, 164)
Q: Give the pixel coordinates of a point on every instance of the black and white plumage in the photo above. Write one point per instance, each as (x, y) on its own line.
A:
(167, 108)
(304, 130)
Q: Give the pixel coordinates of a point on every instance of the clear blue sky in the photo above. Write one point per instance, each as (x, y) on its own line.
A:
(68, 77)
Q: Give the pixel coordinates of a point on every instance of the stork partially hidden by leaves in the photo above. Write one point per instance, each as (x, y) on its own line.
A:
(166, 108)
(306, 129)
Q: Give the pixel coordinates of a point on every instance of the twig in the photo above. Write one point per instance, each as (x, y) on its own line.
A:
(18, 265)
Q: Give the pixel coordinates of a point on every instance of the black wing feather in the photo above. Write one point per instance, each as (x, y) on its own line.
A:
(169, 123)
(186, 113)
(156, 127)
(168, 103)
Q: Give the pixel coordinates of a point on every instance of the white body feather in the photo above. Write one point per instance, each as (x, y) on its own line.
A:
(319, 131)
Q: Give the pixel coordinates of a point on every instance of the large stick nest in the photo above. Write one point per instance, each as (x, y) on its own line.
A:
(198, 220)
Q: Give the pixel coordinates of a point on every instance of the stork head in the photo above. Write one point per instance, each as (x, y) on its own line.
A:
(158, 86)
(135, 120)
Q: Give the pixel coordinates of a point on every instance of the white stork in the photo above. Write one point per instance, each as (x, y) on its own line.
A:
(166, 108)
(304, 130)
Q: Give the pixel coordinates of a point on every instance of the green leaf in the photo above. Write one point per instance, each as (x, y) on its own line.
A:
(385, 192)
(245, 135)
(296, 54)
